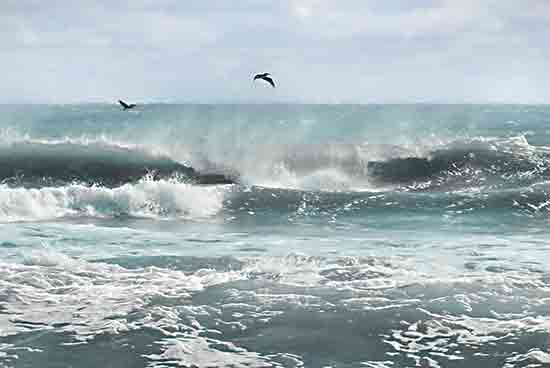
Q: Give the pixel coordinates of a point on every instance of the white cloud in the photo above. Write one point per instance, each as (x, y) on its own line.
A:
(319, 50)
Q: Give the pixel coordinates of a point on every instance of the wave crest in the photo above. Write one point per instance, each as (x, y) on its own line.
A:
(35, 163)
(147, 198)
(458, 164)
(451, 165)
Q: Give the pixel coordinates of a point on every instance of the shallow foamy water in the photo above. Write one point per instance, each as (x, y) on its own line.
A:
(381, 236)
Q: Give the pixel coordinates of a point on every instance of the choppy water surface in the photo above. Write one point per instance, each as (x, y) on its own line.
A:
(274, 236)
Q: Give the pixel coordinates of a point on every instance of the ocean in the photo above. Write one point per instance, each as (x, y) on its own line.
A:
(274, 235)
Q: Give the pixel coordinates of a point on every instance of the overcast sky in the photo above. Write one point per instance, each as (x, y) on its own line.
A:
(318, 51)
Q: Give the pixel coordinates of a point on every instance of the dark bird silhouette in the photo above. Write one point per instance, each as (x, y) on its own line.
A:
(125, 105)
(266, 77)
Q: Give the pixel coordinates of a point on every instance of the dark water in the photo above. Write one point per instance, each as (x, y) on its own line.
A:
(274, 236)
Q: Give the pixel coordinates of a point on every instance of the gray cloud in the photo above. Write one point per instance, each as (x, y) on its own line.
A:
(318, 50)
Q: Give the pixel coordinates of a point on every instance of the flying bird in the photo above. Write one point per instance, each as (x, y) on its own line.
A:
(126, 105)
(266, 77)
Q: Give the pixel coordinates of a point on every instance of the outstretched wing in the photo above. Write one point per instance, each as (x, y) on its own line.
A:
(123, 104)
(269, 80)
(261, 76)
(131, 105)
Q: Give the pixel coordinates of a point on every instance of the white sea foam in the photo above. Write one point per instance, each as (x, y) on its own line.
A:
(326, 167)
(195, 351)
(87, 299)
(51, 287)
(147, 198)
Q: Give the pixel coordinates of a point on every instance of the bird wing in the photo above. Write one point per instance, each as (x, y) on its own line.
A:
(269, 80)
(123, 104)
(132, 105)
(260, 76)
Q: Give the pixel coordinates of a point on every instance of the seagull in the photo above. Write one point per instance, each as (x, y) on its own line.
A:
(266, 77)
(125, 105)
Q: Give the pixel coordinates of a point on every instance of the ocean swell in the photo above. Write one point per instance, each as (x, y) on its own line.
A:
(33, 163)
(504, 158)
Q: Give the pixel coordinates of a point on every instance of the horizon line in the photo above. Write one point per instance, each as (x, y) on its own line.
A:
(473, 103)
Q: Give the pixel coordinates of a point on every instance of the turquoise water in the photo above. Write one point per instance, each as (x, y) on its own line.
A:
(274, 236)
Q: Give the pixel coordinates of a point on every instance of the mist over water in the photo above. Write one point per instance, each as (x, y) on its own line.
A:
(274, 236)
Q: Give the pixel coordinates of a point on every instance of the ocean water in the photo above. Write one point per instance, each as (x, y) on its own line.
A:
(377, 236)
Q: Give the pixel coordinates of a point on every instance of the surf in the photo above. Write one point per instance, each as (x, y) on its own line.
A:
(148, 198)
(36, 163)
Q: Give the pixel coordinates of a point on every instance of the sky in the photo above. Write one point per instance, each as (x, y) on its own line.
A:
(318, 51)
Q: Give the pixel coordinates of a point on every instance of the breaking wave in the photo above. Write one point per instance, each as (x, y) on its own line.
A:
(451, 165)
(146, 198)
(46, 179)
(36, 163)
(482, 160)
